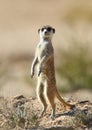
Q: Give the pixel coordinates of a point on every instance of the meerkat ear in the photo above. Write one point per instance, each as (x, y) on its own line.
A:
(38, 30)
(53, 30)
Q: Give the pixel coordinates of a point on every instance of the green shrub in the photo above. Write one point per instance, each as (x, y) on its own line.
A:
(76, 67)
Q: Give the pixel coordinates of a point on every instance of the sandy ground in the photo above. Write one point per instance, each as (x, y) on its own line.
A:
(22, 113)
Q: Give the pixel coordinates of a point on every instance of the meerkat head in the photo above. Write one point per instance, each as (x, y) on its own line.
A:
(46, 32)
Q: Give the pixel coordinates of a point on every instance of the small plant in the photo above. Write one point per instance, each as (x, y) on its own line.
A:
(18, 116)
(24, 117)
(82, 118)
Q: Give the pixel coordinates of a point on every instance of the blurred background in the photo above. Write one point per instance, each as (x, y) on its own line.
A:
(19, 23)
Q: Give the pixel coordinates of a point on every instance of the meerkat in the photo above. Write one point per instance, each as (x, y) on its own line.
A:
(44, 57)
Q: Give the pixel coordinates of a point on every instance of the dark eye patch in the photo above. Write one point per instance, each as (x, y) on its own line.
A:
(48, 29)
(42, 29)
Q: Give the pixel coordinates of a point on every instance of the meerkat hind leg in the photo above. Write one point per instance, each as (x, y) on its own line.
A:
(41, 97)
(51, 96)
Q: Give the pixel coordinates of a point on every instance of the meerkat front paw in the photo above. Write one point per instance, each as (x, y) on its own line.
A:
(32, 74)
(39, 71)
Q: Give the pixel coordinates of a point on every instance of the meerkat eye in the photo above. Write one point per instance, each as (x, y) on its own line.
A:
(48, 29)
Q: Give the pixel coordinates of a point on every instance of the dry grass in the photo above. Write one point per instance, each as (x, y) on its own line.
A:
(83, 118)
(17, 114)
(20, 113)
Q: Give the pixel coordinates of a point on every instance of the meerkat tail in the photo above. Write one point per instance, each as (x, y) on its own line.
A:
(62, 100)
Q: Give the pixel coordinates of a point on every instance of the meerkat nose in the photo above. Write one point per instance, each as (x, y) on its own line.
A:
(46, 32)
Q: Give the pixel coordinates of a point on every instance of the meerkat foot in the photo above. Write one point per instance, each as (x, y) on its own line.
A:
(42, 112)
(52, 116)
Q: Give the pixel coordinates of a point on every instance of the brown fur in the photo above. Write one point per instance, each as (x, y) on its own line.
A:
(46, 86)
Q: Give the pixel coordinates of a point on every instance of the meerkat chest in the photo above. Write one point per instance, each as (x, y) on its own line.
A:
(41, 47)
(41, 50)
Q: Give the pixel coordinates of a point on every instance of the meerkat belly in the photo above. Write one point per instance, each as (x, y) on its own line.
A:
(49, 71)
